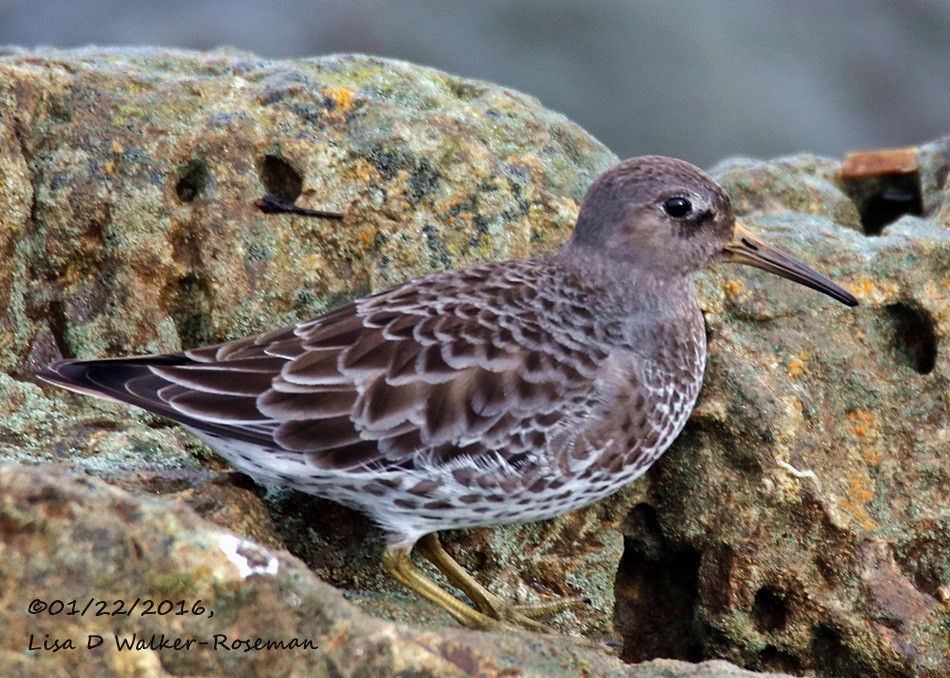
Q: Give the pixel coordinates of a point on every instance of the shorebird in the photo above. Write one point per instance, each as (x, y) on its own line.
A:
(499, 393)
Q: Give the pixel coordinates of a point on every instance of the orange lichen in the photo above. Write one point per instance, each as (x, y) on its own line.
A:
(314, 262)
(528, 160)
(859, 492)
(734, 288)
(366, 173)
(365, 238)
(863, 286)
(862, 424)
(855, 505)
(341, 97)
(796, 367)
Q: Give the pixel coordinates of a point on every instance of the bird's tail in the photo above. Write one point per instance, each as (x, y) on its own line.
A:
(122, 380)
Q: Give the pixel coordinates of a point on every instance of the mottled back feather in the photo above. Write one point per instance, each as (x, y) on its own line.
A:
(458, 363)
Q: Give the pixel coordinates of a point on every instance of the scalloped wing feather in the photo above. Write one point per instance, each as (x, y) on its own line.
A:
(456, 363)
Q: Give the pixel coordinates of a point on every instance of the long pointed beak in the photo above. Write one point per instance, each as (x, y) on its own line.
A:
(745, 248)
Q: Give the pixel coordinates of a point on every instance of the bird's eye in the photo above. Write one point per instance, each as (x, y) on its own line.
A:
(677, 207)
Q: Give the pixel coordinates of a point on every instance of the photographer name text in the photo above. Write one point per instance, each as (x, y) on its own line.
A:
(218, 642)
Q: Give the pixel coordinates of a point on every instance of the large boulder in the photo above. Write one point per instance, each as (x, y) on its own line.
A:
(99, 582)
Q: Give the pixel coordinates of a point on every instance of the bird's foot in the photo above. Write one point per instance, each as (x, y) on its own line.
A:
(494, 612)
(503, 614)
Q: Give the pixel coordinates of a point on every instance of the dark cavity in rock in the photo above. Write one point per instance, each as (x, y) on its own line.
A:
(657, 591)
(769, 610)
(914, 339)
(280, 178)
(192, 180)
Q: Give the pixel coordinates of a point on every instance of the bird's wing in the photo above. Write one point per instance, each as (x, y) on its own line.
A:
(460, 363)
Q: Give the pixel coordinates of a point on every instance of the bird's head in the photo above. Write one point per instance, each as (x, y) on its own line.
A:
(670, 218)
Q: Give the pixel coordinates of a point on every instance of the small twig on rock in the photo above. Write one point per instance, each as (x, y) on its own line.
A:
(271, 204)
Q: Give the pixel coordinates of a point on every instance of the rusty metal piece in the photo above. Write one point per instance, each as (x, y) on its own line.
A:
(864, 164)
(884, 185)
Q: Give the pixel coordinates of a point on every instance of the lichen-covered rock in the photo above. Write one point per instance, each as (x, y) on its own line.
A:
(129, 214)
(801, 521)
(97, 581)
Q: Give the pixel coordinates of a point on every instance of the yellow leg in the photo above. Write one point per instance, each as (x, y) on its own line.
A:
(486, 601)
(492, 613)
(400, 566)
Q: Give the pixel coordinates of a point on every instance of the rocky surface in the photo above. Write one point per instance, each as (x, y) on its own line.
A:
(799, 524)
(100, 582)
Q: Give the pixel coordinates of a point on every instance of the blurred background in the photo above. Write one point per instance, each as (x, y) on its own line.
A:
(697, 79)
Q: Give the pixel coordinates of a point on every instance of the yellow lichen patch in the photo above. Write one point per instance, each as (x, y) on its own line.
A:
(366, 173)
(859, 492)
(878, 291)
(888, 288)
(864, 286)
(859, 495)
(863, 424)
(526, 161)
(365, 238)
(734, 288)
(796, 367)
(341, 97)
(549, 224)
(314, 262)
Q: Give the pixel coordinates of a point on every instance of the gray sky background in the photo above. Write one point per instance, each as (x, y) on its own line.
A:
(696, 79)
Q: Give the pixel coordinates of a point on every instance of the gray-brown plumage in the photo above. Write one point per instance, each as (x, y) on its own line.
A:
(499, 393)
